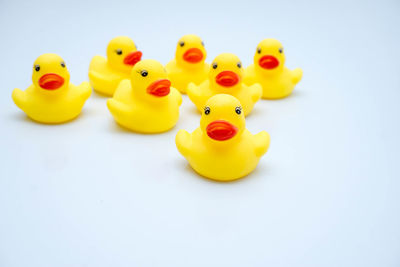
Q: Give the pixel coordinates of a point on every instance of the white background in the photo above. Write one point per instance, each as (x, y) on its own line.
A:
(88, 193)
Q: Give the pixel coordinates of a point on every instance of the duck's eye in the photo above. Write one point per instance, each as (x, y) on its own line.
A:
(37, 67)
(280, 50)
(214, 65)
(238, 110)
(202, 43)
(182, 43)
(259, 50)
(206, 110)
(118, 51)
(144, 73)
(239, 65)
(63, 64)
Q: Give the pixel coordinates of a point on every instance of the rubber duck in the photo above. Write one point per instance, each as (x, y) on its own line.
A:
(146, 102)
(222, 149)
(106, 74)
(225, 76)
(269, 70)
(188, 64)
(51, 98)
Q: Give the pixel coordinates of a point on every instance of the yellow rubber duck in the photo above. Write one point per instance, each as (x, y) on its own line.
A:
(146, 102)
(106, 74)
(269, 70)
(222, 148)
(188, 65)
(51, 98)
(225, 77)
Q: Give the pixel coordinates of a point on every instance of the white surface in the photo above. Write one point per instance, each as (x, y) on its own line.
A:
(88, 193)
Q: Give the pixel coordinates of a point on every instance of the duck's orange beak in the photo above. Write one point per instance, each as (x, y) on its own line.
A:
(221, 130)
(268, 62)
(159, 88)
(51, 81)
(133, 58)
(193, 55)
(227, 78)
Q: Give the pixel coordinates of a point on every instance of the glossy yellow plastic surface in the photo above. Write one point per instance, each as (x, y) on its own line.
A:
(222, 148)
(106, 74)
(146, 103)
(188, 64)
(225, 77)
(269, 70)
(51, 98)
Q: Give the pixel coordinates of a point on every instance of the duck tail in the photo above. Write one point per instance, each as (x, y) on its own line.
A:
(18, 97)
(193, 94)
(86, 89)
(182, 141)
(257, 92)
(297, 74)
(262, 141)
(178, 96)
(191, 90)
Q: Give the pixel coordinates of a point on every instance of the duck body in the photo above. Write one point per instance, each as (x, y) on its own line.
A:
(135, 109)
(144, 117)
(222, 162)
(51, 98)
(181, 77)
(268, 70)
(225, 78)
(274, 86)
(103, 78)
(189, 64)
(48, 108)
(222, 148)
(105, 74)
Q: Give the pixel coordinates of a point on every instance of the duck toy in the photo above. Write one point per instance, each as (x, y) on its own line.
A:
(146, 102)
(225, 77)
(106, 74)
(51, 98)
(269, 70)
(222, 149)
(188, 64)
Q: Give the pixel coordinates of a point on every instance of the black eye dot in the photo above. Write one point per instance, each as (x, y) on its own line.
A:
(280, 50)
(144, 73)
(202, 43)
(259, 50)
(238, 110)
(214, 65)
(182, 43)
(206, 110)
(118, 51)
(37, 67)
(239, 65)
(63, 64)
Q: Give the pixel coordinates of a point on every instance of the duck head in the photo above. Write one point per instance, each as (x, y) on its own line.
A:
(222, 120)
(269, 57)
(122, 54)
(190, 51)
(50, 74)
(226, 73)
(149, 80)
